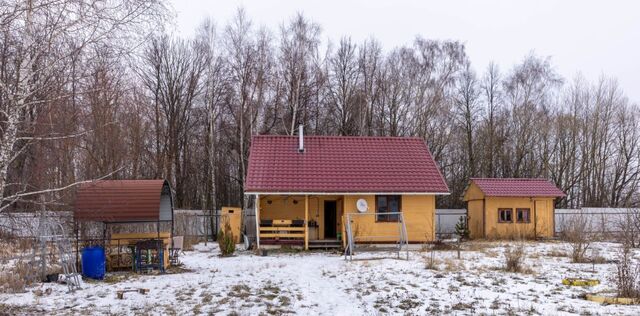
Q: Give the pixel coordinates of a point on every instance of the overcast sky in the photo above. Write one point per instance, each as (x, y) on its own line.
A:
(590, 37)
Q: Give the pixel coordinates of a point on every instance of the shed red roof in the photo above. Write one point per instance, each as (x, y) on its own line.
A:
(122, 200)
(517, 187)
(341, 164)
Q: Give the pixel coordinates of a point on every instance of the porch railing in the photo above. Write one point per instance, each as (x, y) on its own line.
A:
(283, 229)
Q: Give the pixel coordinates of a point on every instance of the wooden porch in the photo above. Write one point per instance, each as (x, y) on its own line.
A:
(283, 231)
(298, 220)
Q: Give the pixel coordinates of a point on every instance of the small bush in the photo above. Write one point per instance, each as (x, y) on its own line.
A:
(514, 259)
(627, 274)
(226, 241)
(576, 233)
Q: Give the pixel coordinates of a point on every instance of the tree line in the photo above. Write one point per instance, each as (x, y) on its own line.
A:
(89, 90)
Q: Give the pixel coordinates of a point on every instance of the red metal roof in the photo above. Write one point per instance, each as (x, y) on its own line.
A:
(120, 200)
(341, 164)
(528, 187)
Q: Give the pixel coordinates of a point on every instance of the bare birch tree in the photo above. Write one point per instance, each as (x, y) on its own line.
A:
(43, 41)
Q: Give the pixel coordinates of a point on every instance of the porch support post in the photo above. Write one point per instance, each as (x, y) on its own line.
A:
(257, 213)
(344, 222)
(306, 222)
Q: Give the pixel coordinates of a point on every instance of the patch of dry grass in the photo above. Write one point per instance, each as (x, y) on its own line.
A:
(442, 246)
(451, 265)
(557, 253)
(514, 258)
(479, 246)
(16, 278)
(431, 263)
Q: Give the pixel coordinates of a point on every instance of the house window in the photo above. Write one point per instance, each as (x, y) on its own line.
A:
(387, 204)
(522, 215)
(505, 215)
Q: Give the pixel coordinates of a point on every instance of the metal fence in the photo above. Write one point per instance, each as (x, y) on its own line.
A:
(446, 220)
(25, 224)
(204, 224)
(196, 223)
(604, 221)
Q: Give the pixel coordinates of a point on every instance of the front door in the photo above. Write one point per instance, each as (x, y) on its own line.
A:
(330, 216)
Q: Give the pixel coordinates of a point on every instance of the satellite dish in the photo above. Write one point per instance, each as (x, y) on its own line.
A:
(362, 206)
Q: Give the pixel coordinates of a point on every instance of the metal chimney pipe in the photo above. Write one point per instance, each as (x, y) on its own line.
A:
(300, 139)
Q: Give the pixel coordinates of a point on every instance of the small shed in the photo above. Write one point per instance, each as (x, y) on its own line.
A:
(138, 209)
(511, 208)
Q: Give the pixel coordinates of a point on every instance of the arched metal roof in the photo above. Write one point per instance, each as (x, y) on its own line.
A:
(124, 201)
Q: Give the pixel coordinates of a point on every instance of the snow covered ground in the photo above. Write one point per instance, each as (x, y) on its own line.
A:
(323, 283)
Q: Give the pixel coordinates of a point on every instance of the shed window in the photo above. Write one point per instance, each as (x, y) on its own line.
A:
(522, 215)
(505, 215)
(388, 204)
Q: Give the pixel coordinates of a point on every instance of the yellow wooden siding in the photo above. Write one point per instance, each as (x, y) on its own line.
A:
(233, 216)
(542, 220)
(545, 220)
(473, 193)
(418, 212)
(474, 218)
(283, 207)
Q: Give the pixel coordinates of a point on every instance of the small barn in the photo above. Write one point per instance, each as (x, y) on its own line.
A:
(511, 208)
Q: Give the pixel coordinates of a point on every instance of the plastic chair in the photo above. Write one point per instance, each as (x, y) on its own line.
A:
(175, 250)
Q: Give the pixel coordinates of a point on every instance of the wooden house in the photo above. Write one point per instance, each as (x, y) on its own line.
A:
(305, 186)
(511, 208)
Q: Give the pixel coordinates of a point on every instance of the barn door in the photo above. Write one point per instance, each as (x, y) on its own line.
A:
(542, 221)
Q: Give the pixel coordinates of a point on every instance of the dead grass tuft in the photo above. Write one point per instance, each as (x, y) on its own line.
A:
(557, 253)
(431, 263)
(478, 246)
(451, 265)
(514, 257)
(15, 279)
(442, 246)
(240, 290)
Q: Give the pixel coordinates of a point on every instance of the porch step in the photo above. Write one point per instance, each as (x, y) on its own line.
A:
(325, 244)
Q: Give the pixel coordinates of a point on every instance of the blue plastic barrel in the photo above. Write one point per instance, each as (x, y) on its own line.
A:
(93, 262)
